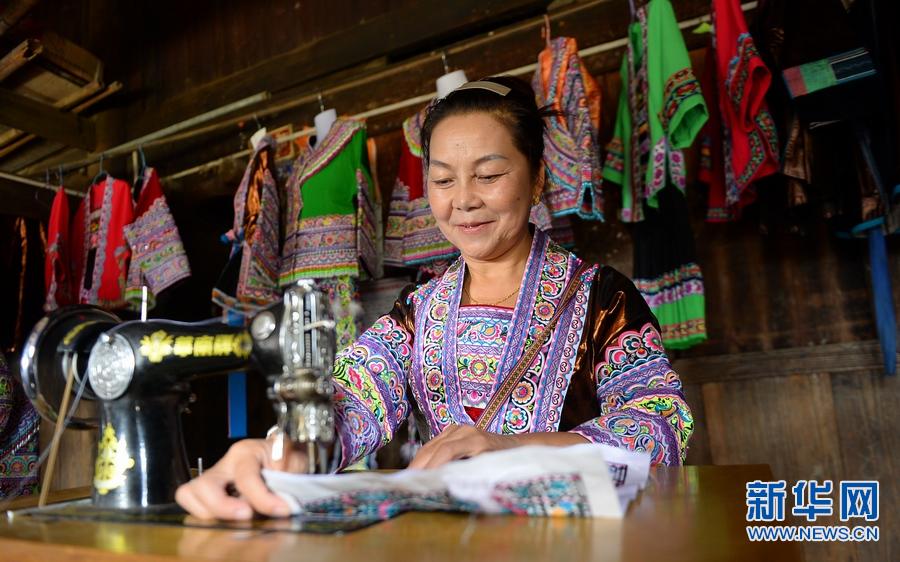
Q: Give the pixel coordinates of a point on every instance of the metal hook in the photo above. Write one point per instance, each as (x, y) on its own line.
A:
(143, 157)
(60, 172)
(100, 172)
(256, 119)
(47, 177)
(444, 62)
(631, 5)
(321, 103)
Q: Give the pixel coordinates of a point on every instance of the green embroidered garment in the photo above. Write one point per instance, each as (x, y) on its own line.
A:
(661, 110)
(332, 210)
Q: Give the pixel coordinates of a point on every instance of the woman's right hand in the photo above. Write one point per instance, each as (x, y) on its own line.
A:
(207, 495)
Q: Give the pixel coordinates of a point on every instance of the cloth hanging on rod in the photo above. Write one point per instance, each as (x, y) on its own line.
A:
(562, 82)
(57, 276)
(333, 231)
(99, 251)
(19, 426)
(158, 259)
(661, 110)
(249, 281)
(735, 83)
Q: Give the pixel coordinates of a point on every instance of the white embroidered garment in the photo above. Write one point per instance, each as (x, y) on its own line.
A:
(590, 480)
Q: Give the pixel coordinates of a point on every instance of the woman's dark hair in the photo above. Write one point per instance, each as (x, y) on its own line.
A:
(517, 110)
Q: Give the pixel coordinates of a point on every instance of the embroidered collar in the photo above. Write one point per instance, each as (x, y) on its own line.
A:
(437, 385)
(412, 130)
(312, 161)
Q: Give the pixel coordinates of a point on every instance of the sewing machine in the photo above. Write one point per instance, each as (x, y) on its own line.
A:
(139, 373)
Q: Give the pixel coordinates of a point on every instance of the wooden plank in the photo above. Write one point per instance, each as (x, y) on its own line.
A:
(698, 446)
(848, 357)
(72, 60)
(868, 413)
(789, 423)
(23, 113)
(19, 56)
(389, 33)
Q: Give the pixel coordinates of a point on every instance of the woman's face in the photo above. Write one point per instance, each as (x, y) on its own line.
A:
(480, 186)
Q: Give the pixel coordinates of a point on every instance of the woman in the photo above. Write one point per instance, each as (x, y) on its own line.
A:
(595, 371)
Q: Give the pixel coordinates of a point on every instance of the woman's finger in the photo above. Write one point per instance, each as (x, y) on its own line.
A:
(249, 483)
(206, 497)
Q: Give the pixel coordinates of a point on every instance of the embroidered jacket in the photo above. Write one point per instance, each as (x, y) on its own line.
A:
(736, 81)
(99, 252)
(158, 259)
(412, 237)
(331, 228)
(602, 374)
(661, 110)
(570, 142)
(250, 280)
(57, 277)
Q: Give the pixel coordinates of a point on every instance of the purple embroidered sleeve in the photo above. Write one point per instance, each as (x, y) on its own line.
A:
(641, 404)
(370, 388)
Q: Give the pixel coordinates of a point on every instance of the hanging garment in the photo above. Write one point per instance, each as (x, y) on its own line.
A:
(19, 424)
(250, 279)
(602, 373)
(331, 210)
(158, 260)
(562, 82)
(666, 272)
(99, 251)
(412, 237)
(57, 276)
(736, 83)
(332, 232)
(661, 110)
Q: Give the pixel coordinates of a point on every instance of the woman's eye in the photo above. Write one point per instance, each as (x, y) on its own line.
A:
(442, 182)
(489, 178)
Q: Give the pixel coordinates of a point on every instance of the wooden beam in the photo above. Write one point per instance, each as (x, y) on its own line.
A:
(20, 112)
(860, 357)
(399, 31)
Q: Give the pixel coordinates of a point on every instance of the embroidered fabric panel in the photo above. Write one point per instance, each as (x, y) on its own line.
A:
(677, 300)
(537, 402)
(423, 241)
(641, 403)
(370, 388)
(158, 259)
(481, 336)
(19, 423)
(571, 154)
(322, 247)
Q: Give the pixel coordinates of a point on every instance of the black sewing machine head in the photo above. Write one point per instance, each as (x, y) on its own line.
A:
(139, 372)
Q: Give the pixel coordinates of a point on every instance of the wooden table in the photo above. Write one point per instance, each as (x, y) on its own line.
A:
(692, 513)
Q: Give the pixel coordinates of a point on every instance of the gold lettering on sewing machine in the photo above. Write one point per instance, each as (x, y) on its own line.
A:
(156, 346)
(112, 461)
(159, 345)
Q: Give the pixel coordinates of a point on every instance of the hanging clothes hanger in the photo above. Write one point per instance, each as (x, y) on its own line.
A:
(100, 174)
(323, 120)
(259, 134)
(450, 80)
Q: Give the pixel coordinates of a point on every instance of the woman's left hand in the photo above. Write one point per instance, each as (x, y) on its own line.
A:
(459, 442)
(464, 441)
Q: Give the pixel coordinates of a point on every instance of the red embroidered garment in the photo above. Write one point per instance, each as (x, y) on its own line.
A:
(57, 278)
(99, 252)
(749, 140)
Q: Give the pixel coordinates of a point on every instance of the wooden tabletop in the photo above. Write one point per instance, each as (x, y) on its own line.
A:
(692, 513)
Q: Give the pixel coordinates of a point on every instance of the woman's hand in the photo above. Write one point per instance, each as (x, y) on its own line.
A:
(464, 441)
(207, 496)
(459, 442)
